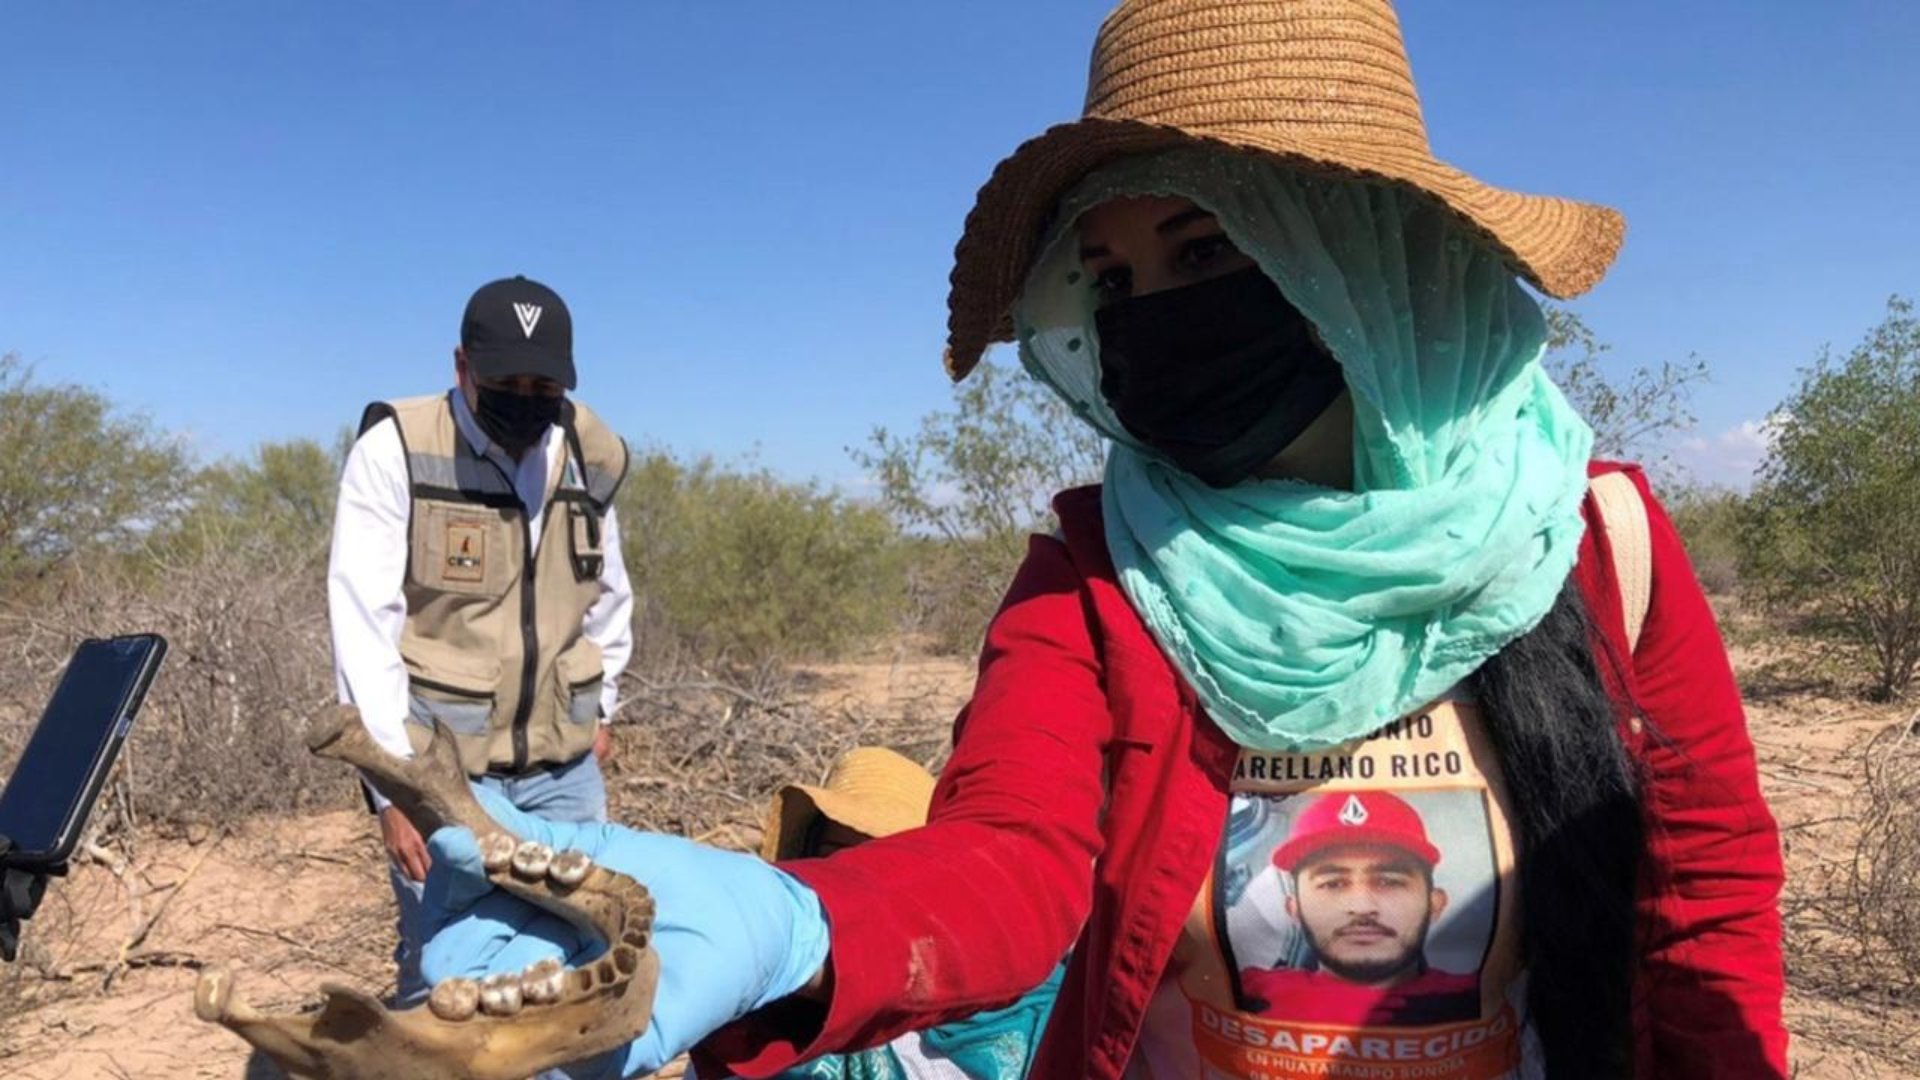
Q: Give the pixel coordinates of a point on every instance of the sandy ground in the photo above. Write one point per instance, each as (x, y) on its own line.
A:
(290, 904)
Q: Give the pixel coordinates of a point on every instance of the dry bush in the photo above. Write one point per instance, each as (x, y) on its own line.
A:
(221, 733)
(702, 746)
(955, 587)
(1885, 879)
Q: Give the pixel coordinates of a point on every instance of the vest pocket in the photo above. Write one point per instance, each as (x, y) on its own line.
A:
(444, 686)
(581, 677)
(460, 715)
(467, 549)
(586, 548)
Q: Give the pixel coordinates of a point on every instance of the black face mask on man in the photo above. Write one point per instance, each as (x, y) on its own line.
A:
(515, 422)
(1218, 376)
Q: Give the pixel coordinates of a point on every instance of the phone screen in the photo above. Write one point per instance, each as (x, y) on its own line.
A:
(82, 721)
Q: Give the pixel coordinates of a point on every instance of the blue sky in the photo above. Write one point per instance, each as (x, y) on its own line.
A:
(247, 220)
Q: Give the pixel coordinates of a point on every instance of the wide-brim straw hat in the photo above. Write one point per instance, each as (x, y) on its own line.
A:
(871, 790)
(1321, 85)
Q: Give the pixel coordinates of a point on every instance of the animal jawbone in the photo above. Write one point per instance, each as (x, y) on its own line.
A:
(504, 1027)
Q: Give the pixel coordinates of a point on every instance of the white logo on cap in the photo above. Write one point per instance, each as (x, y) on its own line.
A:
(1354, 813)
(529, 315)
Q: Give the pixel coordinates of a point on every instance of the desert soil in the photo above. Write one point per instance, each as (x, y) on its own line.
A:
(292, 904)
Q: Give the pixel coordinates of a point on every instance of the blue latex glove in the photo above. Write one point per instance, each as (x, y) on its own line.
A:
(733, 932)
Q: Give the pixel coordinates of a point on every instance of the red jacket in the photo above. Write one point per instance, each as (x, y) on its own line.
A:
(1087, 793)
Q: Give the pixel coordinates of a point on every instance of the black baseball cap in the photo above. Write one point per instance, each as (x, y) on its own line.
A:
(515, 326)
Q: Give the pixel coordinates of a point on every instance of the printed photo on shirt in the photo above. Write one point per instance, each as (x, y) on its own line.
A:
(1358, 908)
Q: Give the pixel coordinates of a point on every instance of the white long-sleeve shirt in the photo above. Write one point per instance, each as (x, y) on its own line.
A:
(366, 572)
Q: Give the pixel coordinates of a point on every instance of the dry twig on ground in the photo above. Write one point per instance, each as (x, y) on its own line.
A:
(1885, 880)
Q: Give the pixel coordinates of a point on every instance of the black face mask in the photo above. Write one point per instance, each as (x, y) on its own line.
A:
(515, 422)
(1218, 377)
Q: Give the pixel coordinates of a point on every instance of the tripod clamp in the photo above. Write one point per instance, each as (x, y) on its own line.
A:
(20, 893)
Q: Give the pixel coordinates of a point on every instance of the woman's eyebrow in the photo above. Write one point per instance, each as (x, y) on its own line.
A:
(1172, 225)
(1183, 219)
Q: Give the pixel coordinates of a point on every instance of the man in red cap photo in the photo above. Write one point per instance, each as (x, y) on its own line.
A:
(1363, 894)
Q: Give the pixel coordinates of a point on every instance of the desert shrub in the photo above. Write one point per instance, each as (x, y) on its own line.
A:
(1833, 527)
(77, 474)
(221, 733)
(1709, 521)
(974, 481)
(1886, 867)
(234, 579)
(953, 587)
(700, 749)
(1632, 412)
(283, 493)
(740, 563)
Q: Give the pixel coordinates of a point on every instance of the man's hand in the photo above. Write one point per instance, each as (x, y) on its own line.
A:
(404, 845)
(603, 745)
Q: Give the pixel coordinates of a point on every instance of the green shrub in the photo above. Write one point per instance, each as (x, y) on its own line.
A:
(1833, 527)
(970, 485)
(954, 586)
(1709, 521)
(77, 474)
(277, 502)
(743, 564)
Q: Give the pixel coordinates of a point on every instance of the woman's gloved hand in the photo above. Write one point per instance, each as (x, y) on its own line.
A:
(733, 932)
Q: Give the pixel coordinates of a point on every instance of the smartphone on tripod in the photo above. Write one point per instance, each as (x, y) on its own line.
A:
(45, 805)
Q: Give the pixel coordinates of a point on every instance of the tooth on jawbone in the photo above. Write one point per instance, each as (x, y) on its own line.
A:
(500, 994)
(496, 850)
(569, 867)
(543, 982)
(530, 860)
(213, 994)
(455, 999)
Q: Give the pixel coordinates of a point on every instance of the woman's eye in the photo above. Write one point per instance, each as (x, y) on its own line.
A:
(1113, 283)
(1197, 253)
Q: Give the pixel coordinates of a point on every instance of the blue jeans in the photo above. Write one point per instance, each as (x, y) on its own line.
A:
(572, 792)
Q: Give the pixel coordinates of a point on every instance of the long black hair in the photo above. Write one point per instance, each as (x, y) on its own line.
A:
(1576, 808)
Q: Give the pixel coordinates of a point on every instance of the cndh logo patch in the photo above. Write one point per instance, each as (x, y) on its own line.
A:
(466, 551)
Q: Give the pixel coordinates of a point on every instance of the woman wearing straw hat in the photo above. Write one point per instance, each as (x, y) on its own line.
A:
(1346, 543)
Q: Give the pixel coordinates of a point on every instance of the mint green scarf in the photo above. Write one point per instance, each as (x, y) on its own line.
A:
(1302, 616)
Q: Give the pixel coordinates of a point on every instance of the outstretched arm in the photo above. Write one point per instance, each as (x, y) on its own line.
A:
(905, 932)
(977, 907)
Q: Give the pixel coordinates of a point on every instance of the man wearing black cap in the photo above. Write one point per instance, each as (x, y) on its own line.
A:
(476, 582)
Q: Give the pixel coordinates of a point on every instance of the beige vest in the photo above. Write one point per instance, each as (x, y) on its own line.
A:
(493, 643)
